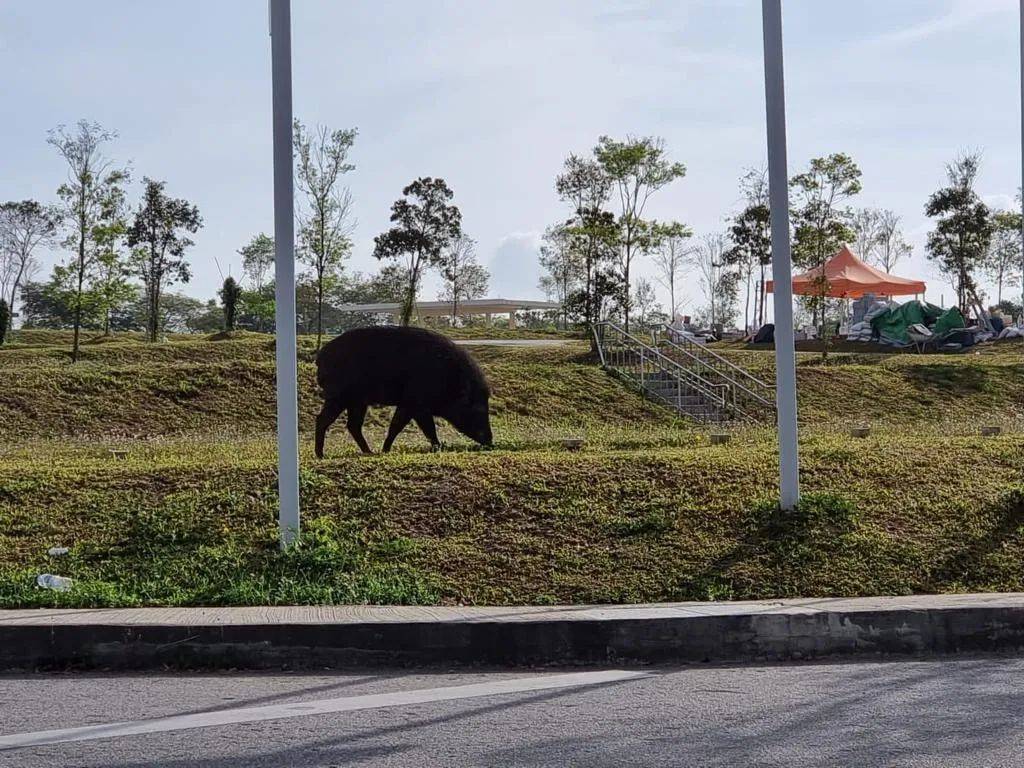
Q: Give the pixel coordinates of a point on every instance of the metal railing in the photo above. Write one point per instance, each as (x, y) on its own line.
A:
(658, 375)
(751, 397)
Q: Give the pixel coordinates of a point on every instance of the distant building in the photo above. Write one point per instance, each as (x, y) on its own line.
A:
(486, 307)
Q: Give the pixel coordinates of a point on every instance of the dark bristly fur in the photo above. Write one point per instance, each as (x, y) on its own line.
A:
(421, 373)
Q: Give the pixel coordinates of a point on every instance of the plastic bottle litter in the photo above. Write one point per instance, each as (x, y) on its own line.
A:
(57, 551)
(57, 583)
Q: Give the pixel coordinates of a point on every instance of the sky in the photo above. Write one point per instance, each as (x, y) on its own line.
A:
(492, 96)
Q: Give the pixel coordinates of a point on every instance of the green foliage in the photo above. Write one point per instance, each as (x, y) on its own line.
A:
(464, 278)
(646, 511)
(158, 238)
(963, 230)
(92, 201)
(1004, 264)
(325, 225)
(230, 294)
(426, 224)
(637, 168)
(257, 259)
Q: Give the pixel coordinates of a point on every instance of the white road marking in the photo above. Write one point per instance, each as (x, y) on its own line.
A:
(306, 708)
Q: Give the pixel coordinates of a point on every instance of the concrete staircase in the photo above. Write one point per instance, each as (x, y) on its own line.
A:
(696, 383)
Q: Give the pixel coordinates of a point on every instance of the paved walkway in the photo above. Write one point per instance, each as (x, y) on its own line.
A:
(595, 634)
(403, 614)
(515, 342)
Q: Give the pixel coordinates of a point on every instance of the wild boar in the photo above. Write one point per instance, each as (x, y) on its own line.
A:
(421, 373)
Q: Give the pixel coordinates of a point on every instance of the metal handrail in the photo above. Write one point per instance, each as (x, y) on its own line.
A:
(665, 363)
(690, 345)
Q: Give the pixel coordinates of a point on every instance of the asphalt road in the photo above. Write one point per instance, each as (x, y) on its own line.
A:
(929, 713)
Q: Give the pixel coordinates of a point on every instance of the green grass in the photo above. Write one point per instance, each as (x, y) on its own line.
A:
(647, 511)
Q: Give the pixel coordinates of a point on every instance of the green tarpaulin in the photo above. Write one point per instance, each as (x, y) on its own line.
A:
(893, 324)
(950, 320)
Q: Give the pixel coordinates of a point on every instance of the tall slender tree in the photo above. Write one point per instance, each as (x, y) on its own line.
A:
(674, 254)
(1003, 261)
(325, 221)
(591, 233)
(25, 226)
(426, 223)
(257, 259)
(638, 167)
(464, 278)
(821, 222)
(92, 192)
(963, 228)
(109, 286)
(564, 270)
(159, 238)
(718, 280)
(750, 237)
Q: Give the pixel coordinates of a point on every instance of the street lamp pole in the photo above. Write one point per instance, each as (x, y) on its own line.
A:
(1021, 54)
(284, 273)
(782, 268)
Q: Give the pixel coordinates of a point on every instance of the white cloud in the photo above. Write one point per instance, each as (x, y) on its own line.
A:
(514, 268)
(959, 13)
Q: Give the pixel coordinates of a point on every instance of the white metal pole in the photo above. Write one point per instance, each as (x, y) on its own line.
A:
(782, 268)
(284, 273)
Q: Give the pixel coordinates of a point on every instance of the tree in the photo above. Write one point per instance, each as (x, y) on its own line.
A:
(564, 267)
(750, 234)
(256, 309)
(591, 235)
(230, 294)
(822, 223)
(891, 245)
(1003, 261)
(674, 252)
(325, 225)
(426, 225)
(92, 192)
(645, 300)
(158, 241)
(464, 278)
(878, 238)
(24, 227)
(5, 320)
(257, 259)
(866, 225)
(109, 288)
(718, 282)
(963, 230)
(638, 167)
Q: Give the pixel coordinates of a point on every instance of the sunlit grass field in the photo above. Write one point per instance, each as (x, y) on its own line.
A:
(648, 510)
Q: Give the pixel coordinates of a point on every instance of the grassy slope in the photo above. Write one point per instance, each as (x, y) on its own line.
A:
(648, 511)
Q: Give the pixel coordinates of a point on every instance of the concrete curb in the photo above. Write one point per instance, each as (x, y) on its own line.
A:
(365, 636)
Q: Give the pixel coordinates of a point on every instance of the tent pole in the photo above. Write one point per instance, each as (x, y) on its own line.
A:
(782, 268)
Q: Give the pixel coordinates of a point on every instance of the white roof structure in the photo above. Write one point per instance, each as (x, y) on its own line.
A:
(469, 307)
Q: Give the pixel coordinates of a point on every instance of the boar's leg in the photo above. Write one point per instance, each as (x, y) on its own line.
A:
(328, 415)
(426, 424)
(356, 415)
(398, 422)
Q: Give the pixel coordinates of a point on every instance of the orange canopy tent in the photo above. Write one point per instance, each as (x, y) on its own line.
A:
(850, 278)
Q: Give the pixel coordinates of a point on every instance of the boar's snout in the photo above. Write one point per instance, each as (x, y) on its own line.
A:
(474, 421)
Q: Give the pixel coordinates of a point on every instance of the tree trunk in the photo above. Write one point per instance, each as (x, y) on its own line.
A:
(746, 307)
(319, 307)
(625, 296)
(78, 292)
